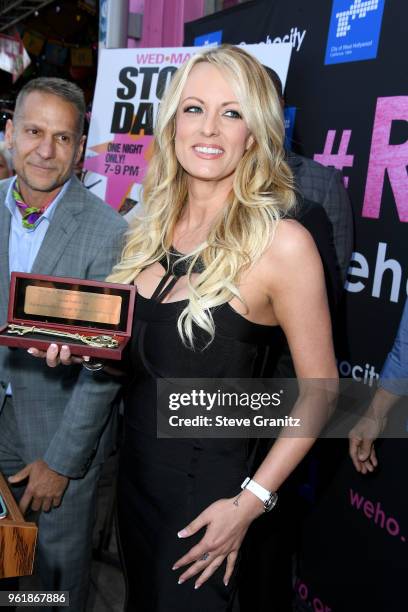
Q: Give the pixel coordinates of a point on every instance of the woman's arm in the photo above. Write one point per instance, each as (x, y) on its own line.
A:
(297, 290)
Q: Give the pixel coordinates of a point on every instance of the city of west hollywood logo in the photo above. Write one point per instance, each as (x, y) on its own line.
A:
(211, 39)
(357, 9)
(354, 30)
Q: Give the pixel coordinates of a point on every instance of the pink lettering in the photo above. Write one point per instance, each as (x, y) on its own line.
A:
(356, 499)
(179, 58)
(150, 58)
(379, 513)
(368, 509)
(385, 157)
(339, 160)
(142, 58)
(395, 527)
(302, 590)
(318, 606)
(156, 58)
(375, 513)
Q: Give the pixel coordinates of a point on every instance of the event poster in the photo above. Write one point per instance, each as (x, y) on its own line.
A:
(129, 88)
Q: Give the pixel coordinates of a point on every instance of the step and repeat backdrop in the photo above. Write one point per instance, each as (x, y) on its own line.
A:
(344, 67)
(347, 99)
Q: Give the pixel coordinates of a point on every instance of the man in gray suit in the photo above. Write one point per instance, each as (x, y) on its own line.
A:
(55, 424)
(325, 186)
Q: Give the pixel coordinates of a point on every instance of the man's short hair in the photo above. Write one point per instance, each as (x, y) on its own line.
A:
(58, 87)
(275, 80)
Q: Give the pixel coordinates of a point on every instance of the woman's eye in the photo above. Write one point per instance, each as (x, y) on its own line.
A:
(233, 114)
(193, 109)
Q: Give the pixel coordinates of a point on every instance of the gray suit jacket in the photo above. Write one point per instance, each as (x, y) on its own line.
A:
(325, 186)
(62, 412)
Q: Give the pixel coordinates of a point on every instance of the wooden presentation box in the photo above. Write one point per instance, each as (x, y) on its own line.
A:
(17, 538)
(91, 317)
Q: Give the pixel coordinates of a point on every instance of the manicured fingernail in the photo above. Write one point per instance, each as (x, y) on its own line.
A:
(31, 351)
(54, 347)
(226, 583)
(86, 358)
(65, 347)
(182, 533)
(174, 567)
(197, 586)
(180, 581)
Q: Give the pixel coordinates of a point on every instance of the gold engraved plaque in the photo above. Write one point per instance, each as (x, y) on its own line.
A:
(73, 305)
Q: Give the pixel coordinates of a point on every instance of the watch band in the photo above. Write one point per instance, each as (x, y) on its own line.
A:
(268, 498)
(255, 488)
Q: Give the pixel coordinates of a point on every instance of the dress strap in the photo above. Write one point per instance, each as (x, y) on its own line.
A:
(175, 269)
(161, 290)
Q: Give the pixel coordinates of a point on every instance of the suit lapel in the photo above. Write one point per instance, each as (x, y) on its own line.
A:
(5, 220)
(63, 225)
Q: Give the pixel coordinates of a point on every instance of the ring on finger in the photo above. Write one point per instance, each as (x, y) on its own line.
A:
(205, 556)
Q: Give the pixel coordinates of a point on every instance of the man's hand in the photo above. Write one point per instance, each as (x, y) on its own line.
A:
(362, 452)
(54, 356)
(44, 489)
(361, 442)
(368, 429)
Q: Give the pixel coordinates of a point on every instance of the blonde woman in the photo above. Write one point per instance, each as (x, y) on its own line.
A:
(221, 274)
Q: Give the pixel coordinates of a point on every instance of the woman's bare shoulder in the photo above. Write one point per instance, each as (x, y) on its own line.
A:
(291, 258)
(291, 241)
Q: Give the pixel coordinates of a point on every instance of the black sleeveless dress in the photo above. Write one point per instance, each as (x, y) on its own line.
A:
(164, 483)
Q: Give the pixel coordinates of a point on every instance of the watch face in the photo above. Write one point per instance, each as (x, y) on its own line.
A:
(271, 502)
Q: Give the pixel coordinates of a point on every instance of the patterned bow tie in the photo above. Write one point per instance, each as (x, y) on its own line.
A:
(30, 214)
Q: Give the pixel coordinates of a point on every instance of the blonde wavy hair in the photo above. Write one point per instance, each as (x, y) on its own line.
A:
(262, 193)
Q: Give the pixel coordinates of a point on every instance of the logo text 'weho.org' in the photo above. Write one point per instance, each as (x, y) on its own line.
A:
(375, 513)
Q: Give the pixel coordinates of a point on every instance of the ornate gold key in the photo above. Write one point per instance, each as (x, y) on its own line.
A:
(102, 341)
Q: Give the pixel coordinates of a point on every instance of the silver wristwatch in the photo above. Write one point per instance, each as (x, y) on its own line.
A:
(268, 498)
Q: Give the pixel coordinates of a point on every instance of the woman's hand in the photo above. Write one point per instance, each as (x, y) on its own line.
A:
(54, 356)
(226, 522)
